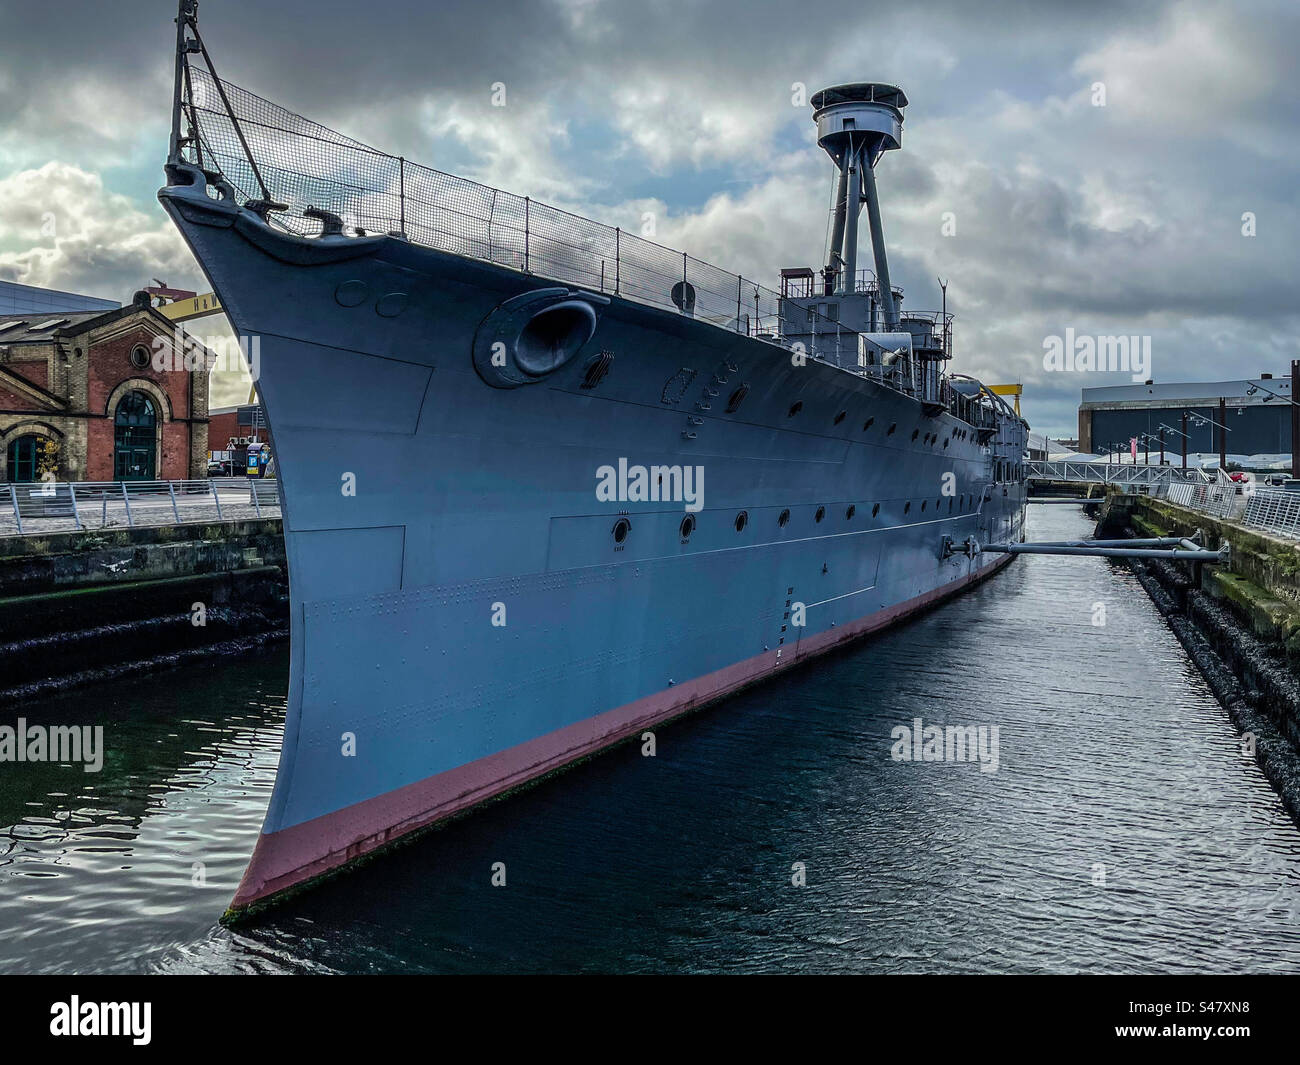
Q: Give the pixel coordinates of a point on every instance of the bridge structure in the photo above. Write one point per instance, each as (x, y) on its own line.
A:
(1148, 479)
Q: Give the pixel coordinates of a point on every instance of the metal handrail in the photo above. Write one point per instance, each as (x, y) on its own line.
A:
(137, 502)
(369, 191)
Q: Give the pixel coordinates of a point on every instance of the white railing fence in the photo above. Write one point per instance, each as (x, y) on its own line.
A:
(1226, 501)
(1275, 510)
(1272, 510)
(1155, 480)
(50, 506)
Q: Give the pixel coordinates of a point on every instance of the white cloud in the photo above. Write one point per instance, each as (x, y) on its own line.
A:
(60, 228)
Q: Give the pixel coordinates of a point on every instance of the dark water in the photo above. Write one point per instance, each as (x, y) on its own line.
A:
(1115, 762)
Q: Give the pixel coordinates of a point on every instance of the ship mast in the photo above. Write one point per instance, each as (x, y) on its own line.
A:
(187, 17)
(856, 125)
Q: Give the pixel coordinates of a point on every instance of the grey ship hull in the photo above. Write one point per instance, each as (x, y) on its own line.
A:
(475, 504)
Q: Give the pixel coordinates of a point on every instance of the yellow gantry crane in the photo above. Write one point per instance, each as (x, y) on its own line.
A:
(187, 308)
(183, 310)
(1009, 390)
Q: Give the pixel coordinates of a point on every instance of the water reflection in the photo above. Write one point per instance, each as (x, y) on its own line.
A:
(1122, 832)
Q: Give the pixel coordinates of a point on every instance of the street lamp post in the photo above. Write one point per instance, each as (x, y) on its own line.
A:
(1169, 428)
(1223, 432)
(1295, 412)
(1295, 420)
(1205, 419)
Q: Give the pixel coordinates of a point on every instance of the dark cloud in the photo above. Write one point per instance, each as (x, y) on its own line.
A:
(1118, 219)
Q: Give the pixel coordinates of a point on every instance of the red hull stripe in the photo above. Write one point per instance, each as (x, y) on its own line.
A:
(294, 855)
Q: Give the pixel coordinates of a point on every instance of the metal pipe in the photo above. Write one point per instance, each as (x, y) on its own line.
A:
(1223, 432)
(1179, 554)
(837, 234)
(1151, 541)
(18, 513)
(852, 208)
(1063, 499)
(174, 154)
(878, 247)
(1295, 419)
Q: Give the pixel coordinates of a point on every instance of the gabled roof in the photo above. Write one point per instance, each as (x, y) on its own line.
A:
(37, 328)
(41, 328)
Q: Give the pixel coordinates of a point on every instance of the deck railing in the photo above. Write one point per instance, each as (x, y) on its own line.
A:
(322, 181)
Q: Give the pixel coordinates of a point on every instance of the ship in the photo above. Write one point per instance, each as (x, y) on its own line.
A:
(546, 484)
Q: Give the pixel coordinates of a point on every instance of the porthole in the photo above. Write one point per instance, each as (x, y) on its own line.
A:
(621, 528)
(784, 519)
(938, 503)
(916, 433)
(923, 503)
(742, 519)
(950, 504)
(841, 416)
(848, 514)
(868, 424)
(795, 409)
(821, 513)
(946, 443)
(875, 510)
(139, 356)
(892, 427)
(688, 526)
(907, 507)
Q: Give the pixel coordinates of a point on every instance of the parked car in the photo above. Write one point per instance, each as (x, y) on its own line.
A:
(221, 468)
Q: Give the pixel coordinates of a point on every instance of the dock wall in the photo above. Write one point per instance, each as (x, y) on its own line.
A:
(80, 608)
(1240, 624)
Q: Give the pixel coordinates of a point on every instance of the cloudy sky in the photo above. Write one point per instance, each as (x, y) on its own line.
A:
(1125, 218)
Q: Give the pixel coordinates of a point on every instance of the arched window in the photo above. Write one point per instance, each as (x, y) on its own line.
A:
(135, 438)
(29, 457)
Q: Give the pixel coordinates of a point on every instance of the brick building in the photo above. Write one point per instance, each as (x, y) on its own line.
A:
(230, 428)
(82, 396)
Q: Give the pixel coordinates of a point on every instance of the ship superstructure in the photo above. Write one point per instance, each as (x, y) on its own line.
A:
(546, 484)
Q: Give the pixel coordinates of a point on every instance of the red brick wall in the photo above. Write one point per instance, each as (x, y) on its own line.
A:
(110, 365)
(221, 427)
(38, 373)
(13, 401)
